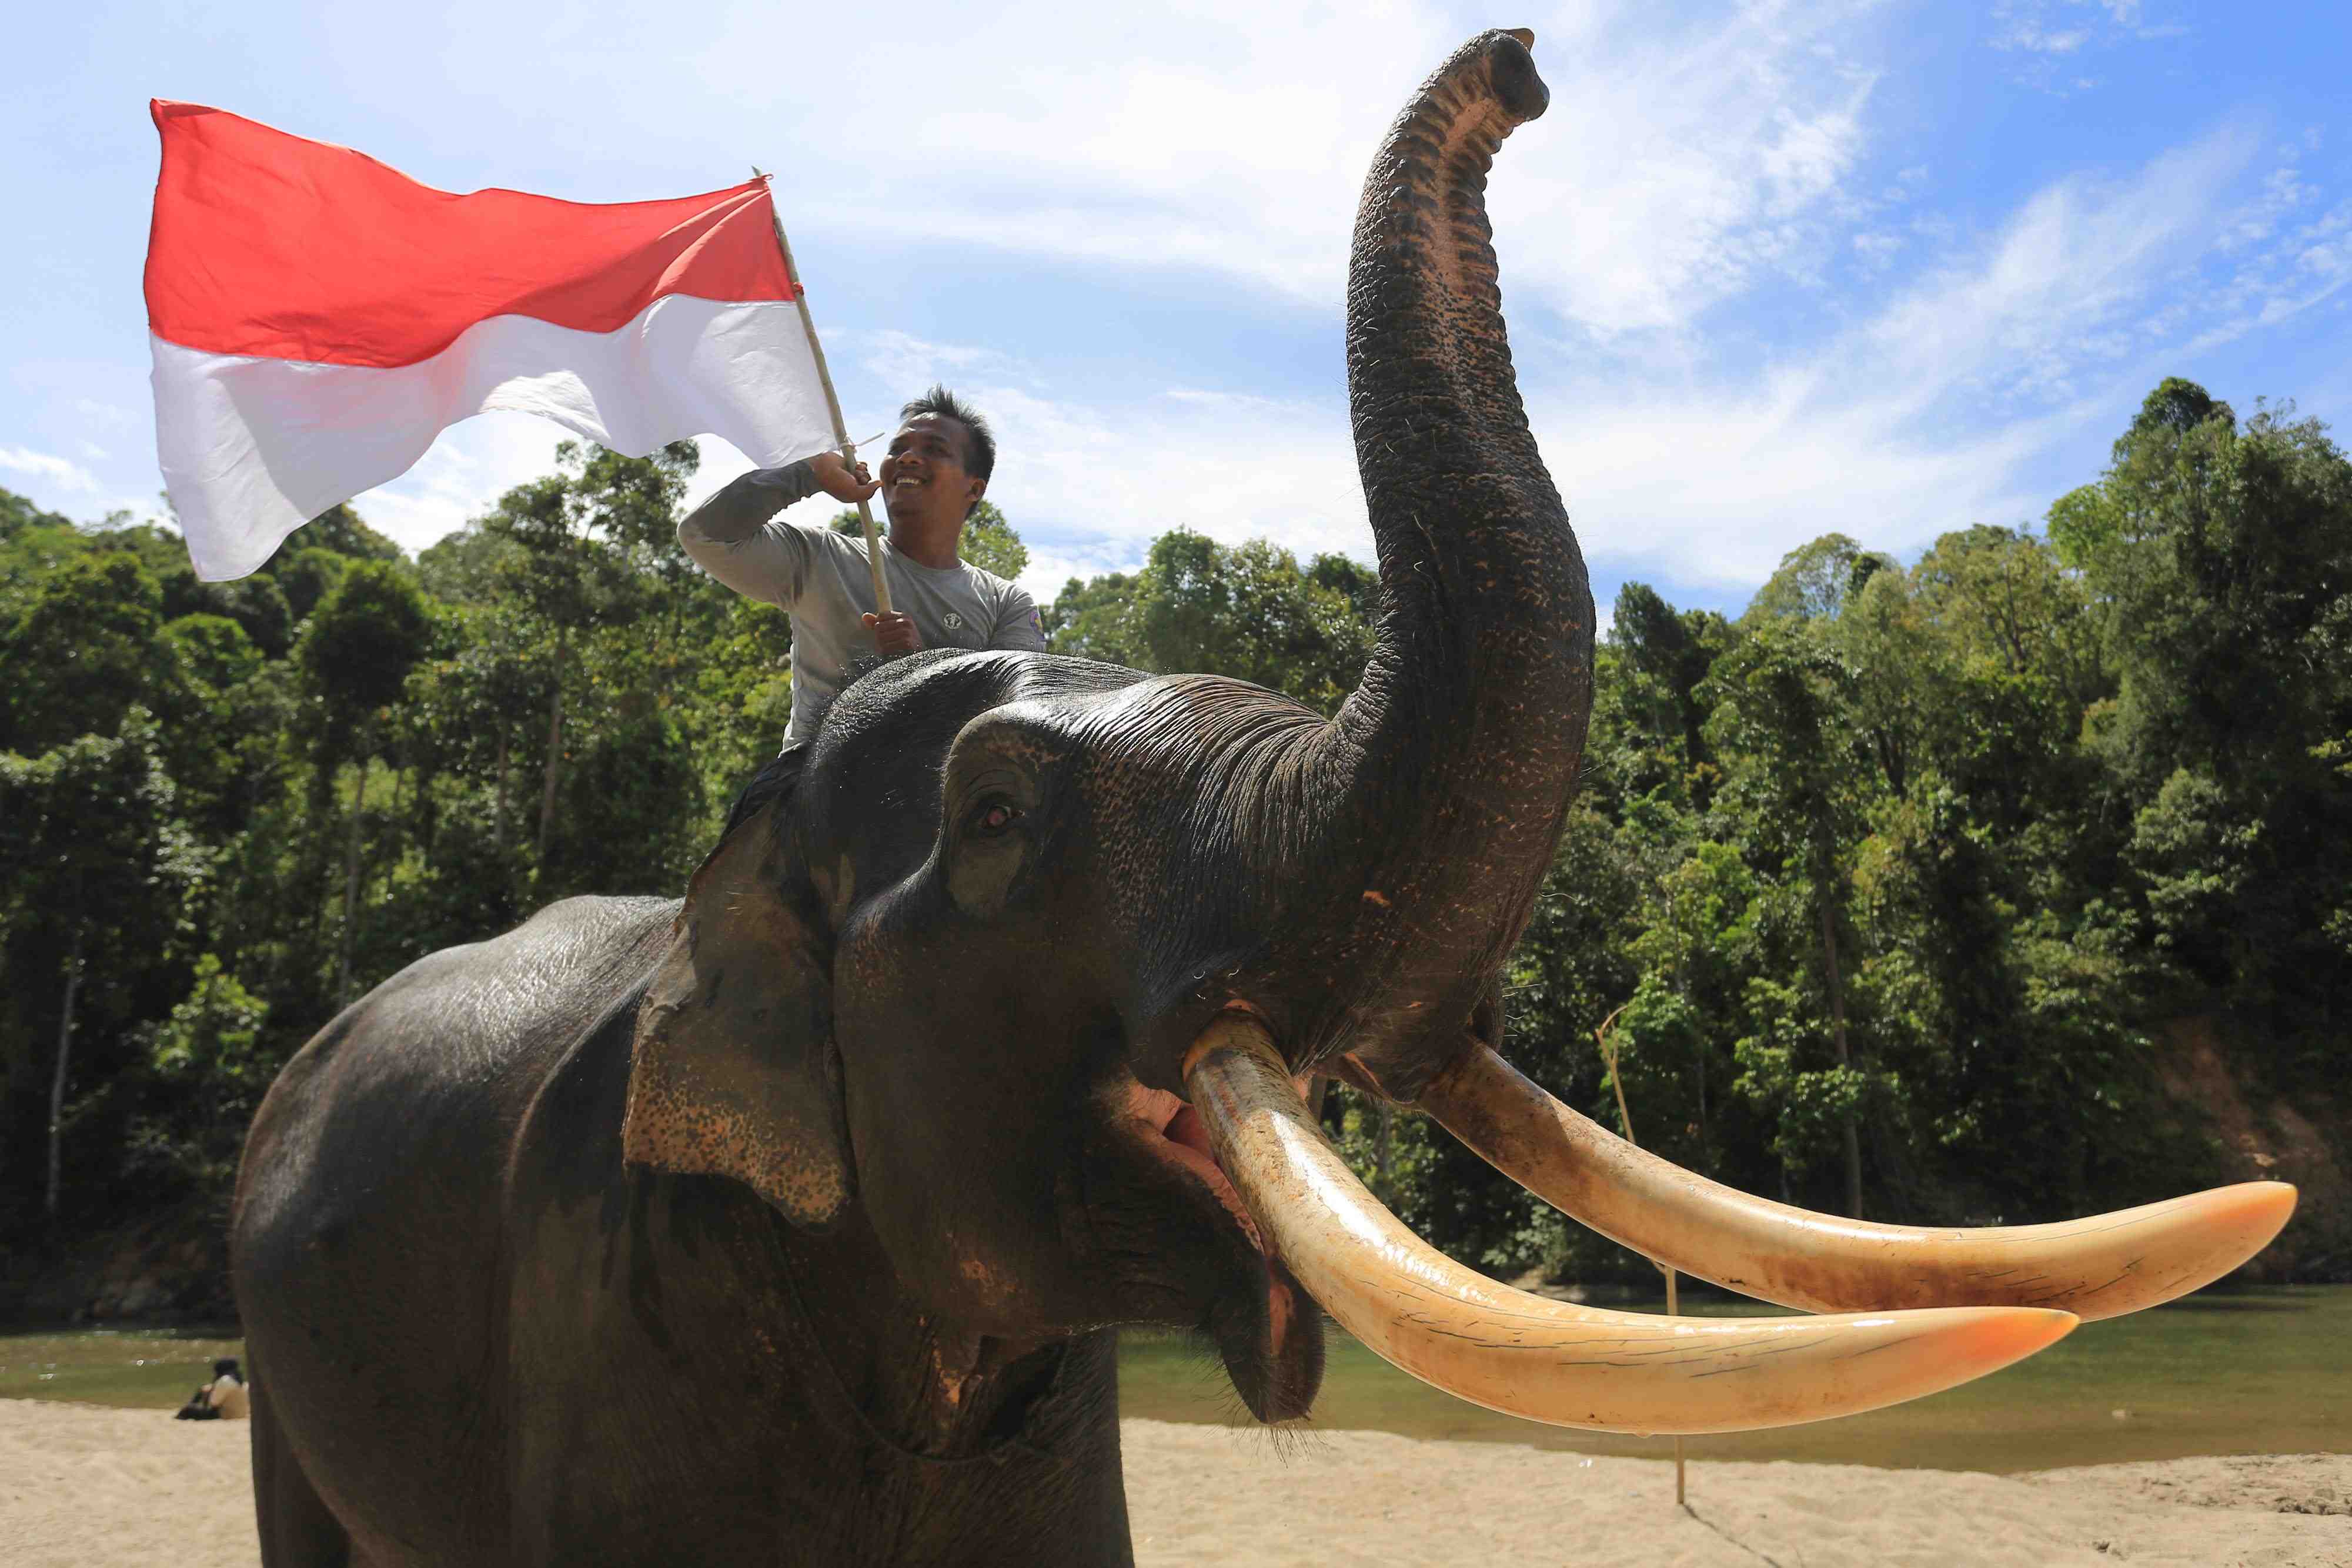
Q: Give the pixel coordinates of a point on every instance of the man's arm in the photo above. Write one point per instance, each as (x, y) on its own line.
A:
(731, 534)
(1018, 624)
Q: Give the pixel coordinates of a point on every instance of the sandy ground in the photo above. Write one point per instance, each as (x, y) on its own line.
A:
(83, 1486)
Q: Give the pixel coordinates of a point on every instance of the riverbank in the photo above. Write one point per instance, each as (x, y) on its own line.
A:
(87, 1487)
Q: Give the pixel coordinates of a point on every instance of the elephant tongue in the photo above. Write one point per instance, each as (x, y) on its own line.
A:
(1275, 1360)
(1190, 1136)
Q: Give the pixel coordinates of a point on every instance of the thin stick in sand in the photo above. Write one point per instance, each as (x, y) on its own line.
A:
(1625, 1120)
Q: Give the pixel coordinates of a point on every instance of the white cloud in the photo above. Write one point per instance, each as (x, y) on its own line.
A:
(2048, 32)
(1878, 249)
(2038, 306)
(902, 360)
(2309, 266)
(60, 471)
(101, 413)
(1679, 163)
(1091, 484)
(1881, 431)
(2026, 35)
(469, 466)
(1693, 159)
(1684, 151)
(1920, 416)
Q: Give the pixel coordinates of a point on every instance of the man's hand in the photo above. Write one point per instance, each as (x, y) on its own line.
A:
(894, 633)
(838, 480)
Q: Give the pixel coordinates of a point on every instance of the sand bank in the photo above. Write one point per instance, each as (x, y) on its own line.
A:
(85, 1487)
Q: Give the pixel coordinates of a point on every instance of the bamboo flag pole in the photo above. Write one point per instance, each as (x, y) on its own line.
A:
(832, 402)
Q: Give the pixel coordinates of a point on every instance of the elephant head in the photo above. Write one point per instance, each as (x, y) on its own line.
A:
(1029, 969)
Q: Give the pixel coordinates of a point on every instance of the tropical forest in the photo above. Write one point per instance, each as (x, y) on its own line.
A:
(2005, 880)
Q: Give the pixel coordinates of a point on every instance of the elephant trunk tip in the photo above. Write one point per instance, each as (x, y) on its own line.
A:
(1511, 67)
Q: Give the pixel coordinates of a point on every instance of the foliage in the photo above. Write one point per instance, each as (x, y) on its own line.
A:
(96, 871)
(2007, 811)
(1247, 611)
(210, 1067)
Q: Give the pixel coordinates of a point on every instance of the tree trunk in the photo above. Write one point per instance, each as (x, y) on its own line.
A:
(499, 811)
(555, 760)
(1706, 1149)
(1837, 1032)
(65, 1049)
(1698, 1055)
(351, 873)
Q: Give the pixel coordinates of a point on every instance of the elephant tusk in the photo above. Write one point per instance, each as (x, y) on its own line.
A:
(2095, 1267)
(1545, 1360)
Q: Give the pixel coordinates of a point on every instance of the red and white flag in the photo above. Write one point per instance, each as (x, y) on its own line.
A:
(317, 319)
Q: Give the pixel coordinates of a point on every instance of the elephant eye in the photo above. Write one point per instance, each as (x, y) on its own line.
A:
(996, 817)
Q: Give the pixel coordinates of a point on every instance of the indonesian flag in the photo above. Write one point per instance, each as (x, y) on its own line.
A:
(317, 319)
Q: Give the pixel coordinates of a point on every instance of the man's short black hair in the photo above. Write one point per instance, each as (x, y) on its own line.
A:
(979, 442)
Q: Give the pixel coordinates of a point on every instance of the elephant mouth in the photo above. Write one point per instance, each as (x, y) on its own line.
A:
(1268, 1332)
(1185, 1138)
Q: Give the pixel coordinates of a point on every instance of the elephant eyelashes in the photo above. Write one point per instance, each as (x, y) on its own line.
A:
(983, 866)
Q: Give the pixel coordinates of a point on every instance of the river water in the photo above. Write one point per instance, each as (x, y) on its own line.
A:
(2224, 1372)
(2257, 1371)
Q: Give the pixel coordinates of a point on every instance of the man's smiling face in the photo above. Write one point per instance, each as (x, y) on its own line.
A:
(924, 482)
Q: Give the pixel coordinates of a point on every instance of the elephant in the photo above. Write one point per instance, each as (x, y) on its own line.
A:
(794, 1222)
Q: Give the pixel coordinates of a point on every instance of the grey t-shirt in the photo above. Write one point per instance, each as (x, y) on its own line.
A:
(820, 579)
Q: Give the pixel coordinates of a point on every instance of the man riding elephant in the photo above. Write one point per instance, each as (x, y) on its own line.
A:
(935, 472)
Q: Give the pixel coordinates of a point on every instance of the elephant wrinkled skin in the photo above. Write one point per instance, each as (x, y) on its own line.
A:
(792, 1224)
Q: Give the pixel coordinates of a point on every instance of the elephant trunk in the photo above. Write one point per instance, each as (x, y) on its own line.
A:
(1444, 781)
(1434, 801)
(1430, 808)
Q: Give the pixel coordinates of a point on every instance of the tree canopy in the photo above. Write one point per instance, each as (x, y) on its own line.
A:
(1886, 890)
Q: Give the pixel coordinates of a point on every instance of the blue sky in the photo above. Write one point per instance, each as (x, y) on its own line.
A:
(1770, 270)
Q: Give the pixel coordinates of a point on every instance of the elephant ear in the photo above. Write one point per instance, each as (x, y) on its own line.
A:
(733, 1072)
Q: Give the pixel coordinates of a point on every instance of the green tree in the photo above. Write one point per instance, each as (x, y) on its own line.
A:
(568, 579)
(1785, 710)
(210, 1060)
(80, 652)
(1815, 581)
(1094, 620)
(18, 515)
(354, 653)
(339, 531)
(1245, 610)
(1667, 655)
(96, 872)
(2225, 579)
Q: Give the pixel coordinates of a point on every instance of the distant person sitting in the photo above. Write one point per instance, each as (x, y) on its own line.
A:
(224, 1398)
